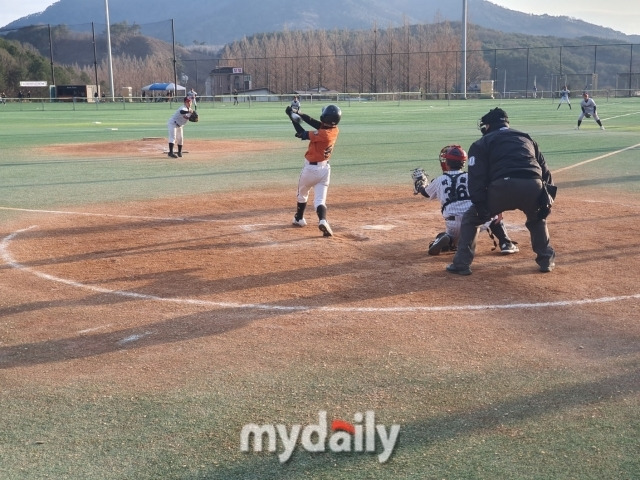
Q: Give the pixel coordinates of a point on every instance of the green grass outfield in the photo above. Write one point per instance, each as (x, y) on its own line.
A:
(379, 144)
(508, 420)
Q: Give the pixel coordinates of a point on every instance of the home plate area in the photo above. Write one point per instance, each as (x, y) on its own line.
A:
(239, 249)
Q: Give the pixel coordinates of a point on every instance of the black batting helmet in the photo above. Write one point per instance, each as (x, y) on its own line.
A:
(331, 115)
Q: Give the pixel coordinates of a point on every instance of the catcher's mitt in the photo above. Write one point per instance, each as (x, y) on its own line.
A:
(420, 180)
(194, 117)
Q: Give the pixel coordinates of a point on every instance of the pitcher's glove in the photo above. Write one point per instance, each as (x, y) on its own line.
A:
(420, 180)
(194, 117)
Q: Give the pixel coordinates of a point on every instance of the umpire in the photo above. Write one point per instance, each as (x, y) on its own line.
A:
(506, 171)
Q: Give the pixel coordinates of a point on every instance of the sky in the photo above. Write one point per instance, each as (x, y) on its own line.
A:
(621, 15)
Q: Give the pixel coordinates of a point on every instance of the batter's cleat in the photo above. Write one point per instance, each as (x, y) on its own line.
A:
(325, 228)
(451, 268)
(442, 243)
(180, 154)
(172, 155)
(299, 223)
(547, 268)
(508, 248)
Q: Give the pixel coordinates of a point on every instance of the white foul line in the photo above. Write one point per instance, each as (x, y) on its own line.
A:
(9, 260)
(110, 215)
(595, 159)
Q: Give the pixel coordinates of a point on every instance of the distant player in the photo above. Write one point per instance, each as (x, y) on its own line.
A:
(564, 97)
(192, 94)
(295, 104)
(588, 107)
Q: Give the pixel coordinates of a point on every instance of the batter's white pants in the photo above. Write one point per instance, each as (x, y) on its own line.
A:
(317, 177)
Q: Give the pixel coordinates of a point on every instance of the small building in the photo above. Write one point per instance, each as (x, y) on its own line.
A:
(224, 80)
(85, 93)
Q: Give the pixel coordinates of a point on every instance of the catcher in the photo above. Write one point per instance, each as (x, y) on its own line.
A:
(178, 120)
(452, 191)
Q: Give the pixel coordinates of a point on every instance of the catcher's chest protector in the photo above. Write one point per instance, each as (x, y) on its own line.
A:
(456, 192)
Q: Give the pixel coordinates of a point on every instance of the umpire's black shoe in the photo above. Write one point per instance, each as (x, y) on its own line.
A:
(451, 268)
(547, 268)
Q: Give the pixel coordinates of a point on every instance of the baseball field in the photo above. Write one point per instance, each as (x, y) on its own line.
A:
(161, 319)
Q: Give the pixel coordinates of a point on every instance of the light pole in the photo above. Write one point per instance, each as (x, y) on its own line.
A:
(106, 9)
(463, 73)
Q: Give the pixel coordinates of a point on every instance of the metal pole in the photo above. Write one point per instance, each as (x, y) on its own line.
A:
(526, 86)
(53, 75)
(95, 58)
(463, 73)
(630, 68)
(106, 10)
(175, 70)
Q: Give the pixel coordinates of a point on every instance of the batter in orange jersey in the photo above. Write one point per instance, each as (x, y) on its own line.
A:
(316, 173)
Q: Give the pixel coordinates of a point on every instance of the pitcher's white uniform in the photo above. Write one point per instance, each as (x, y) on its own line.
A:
(175, 124)
(178, 120)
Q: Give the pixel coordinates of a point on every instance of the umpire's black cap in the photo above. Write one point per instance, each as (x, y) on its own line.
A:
(495, 116)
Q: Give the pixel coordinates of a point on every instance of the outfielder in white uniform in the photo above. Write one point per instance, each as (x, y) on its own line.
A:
(192, 94)
(564, 97)
(177, 121)
(588, 107)
(451, 189)
(295, 104)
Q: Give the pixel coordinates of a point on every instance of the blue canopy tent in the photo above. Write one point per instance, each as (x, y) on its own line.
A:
(162, 90)
(164, 87)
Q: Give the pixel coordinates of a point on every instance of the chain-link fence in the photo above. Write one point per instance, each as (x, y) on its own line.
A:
(359, 68)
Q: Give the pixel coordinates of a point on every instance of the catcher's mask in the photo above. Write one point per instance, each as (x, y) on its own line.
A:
(452, 157)
(331, 115)
(495, 118)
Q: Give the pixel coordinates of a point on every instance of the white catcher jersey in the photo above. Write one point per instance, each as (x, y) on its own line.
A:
(452, 190)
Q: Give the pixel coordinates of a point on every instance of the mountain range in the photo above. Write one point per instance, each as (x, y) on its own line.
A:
(217, 22)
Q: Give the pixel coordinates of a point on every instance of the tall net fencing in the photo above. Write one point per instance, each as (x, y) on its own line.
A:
(79, 54)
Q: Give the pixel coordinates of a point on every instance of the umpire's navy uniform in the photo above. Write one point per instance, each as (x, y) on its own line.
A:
(506, 170)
